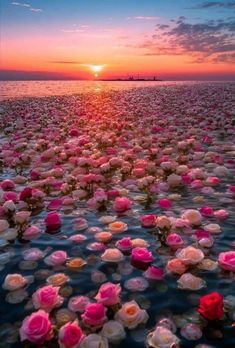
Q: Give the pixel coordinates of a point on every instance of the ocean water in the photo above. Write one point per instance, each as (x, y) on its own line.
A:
(180, 102)
(19, 89)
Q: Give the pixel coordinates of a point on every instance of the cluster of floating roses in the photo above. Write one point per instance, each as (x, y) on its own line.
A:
(115, 160)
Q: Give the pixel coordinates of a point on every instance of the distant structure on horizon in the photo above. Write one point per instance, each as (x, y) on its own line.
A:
(132, 78)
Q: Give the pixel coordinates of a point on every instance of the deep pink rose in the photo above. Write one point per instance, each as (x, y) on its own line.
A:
(53, 220)
(70, 335)
(142, 255)
(108, 294)
(207, 211)
(164, 203)
(26, 193)
(36, 328)
(154, 272)
(124, 244)
(95, 314)
(7, 184)
(47, 298)
(121, 204)
(148, 220)
(10, 196)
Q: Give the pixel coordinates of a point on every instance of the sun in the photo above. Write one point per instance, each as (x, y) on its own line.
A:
(96, 68)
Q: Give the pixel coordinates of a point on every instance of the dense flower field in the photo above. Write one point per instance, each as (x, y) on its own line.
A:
(117, 218)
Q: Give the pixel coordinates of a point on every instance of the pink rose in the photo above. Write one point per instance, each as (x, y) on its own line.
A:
(121, 204)
(154, 272)
(7, 184)
(70, 335)
(174, 240)
(124, 244)
(10, 196)
(31, 232)
(148, 220)
(36, 328)
(95, 314)
(108, 294)
(142, 255)
(47, 298)
(52, 220)
(26, 193)
(164, 203)
(56, 258)
(221, 214)
(227, 260)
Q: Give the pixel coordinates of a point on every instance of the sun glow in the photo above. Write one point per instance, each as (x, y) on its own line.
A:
(96, 68)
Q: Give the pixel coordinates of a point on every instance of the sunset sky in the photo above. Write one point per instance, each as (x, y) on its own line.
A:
(178, 39)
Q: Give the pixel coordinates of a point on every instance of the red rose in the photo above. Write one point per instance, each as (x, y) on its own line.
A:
(211, 306)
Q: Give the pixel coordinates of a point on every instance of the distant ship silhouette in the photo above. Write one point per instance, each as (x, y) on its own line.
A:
(132, 78)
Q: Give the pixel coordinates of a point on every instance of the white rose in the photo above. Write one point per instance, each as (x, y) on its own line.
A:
(161, 337)
(213, 228)
(113, 331)
(94, 341)
(174, 180)
(190, 255)
(131, 315)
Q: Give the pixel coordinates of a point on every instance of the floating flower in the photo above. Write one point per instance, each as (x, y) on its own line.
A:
(148, 220)
(70, 335)
(47, 298)
(190, 255)
(117, 227)
(36, 328)
(58, 279)
(227, 260)
(56, 258)
(211, 306)
(76, 262)
(94, 315)
(190, 282)
(53, 220)
(124, 244)
(131, 315)
(113, 331)
(14, 282)
(94, 340)
(191, 332)
(174, 241)
(108, 294)
(154, 272)
(78, 303)
(161, 337)
(112, 255)
(192, 216)
(177, 266)
(122, 204)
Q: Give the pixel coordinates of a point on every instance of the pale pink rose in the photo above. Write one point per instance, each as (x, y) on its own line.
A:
(190, 255)
(131, 315)
(148, 220)
(161, 337)
(163, 222)
(164, 203)
(227, 260)
(121, 204)
(190, 282)
(14, 281)
(95, 314)
(47, 298)
(31, 232)
(176, 266)
(103, 236)
(53, 220)
(22, 217)
(112, 255)
(124, 244)
(221, 214)
(78, 303)
(108, 294)
(142, 255)
(192, 216)
(56, 258)
(70, 335)
(191, 332)
(154, 272)
(36, 328)
(174, 241)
